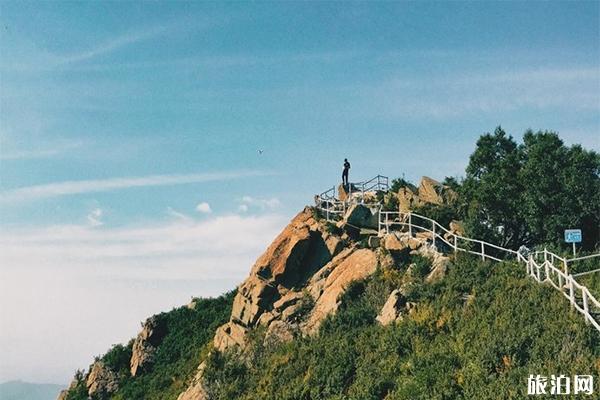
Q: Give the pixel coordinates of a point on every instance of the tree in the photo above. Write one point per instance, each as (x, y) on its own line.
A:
(529, 194)
(492, 190)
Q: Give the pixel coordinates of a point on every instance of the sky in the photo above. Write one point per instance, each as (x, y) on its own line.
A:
(150, 151)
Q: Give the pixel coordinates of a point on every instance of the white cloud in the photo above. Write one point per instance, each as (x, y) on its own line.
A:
(94, 217)
(94, 286)
(248, 202)
(102, 185)
(203, 208)
(112, 45)
(177, 215)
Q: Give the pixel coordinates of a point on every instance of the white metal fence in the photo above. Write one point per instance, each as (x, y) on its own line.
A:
(542, 266)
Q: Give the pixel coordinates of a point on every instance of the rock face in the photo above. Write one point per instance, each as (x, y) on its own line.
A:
(408, 200)
(144, 346)
(276, 291)
(439, 262)
(101, 381)
(429, 191)
(393, 308)
(359, 215)
(273, 288)
(331, 281)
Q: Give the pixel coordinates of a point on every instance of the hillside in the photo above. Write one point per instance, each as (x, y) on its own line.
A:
(372, 294)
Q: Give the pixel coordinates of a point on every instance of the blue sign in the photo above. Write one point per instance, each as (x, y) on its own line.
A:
(572, 235)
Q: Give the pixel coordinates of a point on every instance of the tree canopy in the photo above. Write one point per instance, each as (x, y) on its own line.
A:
(530, 193)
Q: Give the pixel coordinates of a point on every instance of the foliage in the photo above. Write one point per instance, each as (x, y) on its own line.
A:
(442, 213)
(399, 183)
(189, 332)
(478, 333)
(529, 193)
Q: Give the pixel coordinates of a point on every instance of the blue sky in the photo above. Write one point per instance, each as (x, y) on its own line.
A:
(143, 119)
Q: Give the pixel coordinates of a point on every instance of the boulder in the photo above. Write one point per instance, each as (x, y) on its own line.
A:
(340, 272)
(439, 262)
(432, 191)
(101, 381)
(231, 334)
(407, 200)
(361, 216)
(393, 308)
(391, 242)
(145, 344)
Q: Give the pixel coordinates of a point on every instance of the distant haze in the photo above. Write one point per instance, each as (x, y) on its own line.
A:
(18, 390)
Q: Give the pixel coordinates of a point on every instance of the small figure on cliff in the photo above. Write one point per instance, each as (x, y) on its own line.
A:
(345, 172)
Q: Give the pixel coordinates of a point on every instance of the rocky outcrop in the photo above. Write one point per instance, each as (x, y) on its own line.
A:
(101, 381)
(64, 393)
(145, 344)
(272, 289)
(331, 281)
(439, 262)
(361, 216)
(398, 241)
(275, 293)
(393, 309)
(429, 191)
(408, 200)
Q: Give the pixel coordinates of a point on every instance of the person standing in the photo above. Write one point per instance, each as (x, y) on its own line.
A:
(345, 172)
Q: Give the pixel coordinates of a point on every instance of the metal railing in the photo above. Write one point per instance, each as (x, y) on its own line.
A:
(439, 234)
(541, 265)
(332, 207)
(578, 295)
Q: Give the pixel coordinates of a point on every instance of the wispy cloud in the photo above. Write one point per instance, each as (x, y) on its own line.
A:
(25, 154)
(178, 215)
(111, 45)
(66, 188)
(247, 202)
(81, 275)
(484, 92)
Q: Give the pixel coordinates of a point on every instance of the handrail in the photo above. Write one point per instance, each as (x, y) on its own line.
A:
(333, 207)
(540, 265)
(573, 292)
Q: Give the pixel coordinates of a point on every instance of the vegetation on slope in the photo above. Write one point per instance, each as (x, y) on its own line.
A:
(188, 339)
(477, 333)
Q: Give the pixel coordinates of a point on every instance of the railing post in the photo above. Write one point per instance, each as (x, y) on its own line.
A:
(482, 251)
(565, 266)
(545, 255)
(571, 291)
(387, 226)
(433, 233)
(560, 282)
(455, 245)
(546, 270)
(586, 311)
(410, 223)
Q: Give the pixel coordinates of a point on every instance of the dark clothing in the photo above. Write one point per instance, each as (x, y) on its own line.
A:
(345, 173)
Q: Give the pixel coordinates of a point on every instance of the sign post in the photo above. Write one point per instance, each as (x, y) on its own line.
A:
(573, 236)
